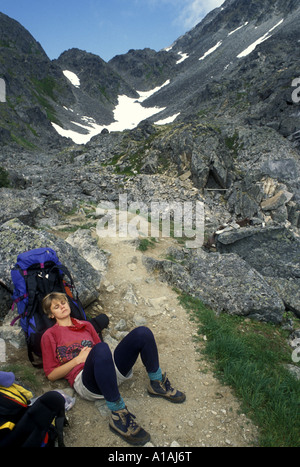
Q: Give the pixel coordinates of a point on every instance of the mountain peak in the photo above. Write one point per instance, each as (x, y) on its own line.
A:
(14, 36)
(233, 58)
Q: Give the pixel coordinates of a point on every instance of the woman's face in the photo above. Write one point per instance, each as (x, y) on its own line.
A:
(60, 309)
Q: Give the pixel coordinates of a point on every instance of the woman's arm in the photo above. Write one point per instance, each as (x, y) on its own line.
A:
(62, 370)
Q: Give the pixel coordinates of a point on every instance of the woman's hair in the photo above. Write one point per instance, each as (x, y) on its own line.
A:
(46, 303)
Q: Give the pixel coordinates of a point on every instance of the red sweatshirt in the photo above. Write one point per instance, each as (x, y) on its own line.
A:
(61, 344)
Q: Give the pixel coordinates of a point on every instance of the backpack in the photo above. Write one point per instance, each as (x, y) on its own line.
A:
(36, 274)
(23, 423)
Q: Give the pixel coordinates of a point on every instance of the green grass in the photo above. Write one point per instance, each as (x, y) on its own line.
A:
(145, 243)
(4, 178)
(250, 357)
(25, 375)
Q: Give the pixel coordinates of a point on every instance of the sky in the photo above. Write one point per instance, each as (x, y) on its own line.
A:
(107, 27)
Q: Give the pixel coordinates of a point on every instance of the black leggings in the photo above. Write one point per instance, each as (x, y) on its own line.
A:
(99, 374)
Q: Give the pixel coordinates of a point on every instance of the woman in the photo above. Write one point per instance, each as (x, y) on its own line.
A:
(73, 350)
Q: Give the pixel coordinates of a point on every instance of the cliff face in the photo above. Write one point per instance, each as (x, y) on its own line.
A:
(34, 86)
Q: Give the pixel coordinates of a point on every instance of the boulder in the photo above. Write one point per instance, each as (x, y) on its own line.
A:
(87, 247)
(224, 282)
(276, 201)
(272, 251)
(19, 204)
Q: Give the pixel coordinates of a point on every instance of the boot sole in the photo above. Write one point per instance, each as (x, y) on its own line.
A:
(174, 401)
(132, 441)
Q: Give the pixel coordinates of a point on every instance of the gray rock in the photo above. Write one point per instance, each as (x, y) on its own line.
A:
(294, 370)
(226, 283)
(121, 325)
(88, 248)
(19, 204)
(273, 251)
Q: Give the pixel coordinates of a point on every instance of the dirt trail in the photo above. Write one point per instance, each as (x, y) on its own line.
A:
(210, 415)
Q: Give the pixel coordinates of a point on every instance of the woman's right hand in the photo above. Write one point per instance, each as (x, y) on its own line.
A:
(62, 370)
(83, 355)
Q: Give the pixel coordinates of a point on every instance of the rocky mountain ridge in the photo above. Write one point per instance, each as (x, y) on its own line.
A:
(212, 67)
(233, 146)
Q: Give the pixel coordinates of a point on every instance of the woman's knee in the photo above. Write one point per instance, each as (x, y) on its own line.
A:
(101, 353)
(144, 334)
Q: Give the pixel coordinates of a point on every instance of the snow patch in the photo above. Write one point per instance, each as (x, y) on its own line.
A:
(262, 39)
(165, 121)
(72, 77)
(210, 51)
(146, 94)
(128, 114)
(237, 29)
(227, 66)
(183, 57)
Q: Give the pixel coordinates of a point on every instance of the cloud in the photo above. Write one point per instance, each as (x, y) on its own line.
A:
(193, 11)
(187, 13)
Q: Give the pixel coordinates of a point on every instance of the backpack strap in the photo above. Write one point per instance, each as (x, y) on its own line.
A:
(65, 271)
(31, 286)
(31, 290)
(19, 299)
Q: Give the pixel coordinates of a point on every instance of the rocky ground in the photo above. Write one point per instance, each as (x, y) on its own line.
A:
(210, 416)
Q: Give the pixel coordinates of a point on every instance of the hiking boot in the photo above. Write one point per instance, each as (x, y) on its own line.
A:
(122, 423)
(164, 389)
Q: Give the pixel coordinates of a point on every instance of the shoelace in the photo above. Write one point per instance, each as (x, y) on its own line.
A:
(130, 421)
(168, 386)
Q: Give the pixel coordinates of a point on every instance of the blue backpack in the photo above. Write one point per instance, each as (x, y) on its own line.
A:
(36, 274)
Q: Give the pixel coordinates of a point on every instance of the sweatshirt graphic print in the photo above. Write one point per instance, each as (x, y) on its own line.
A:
(66, 353)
